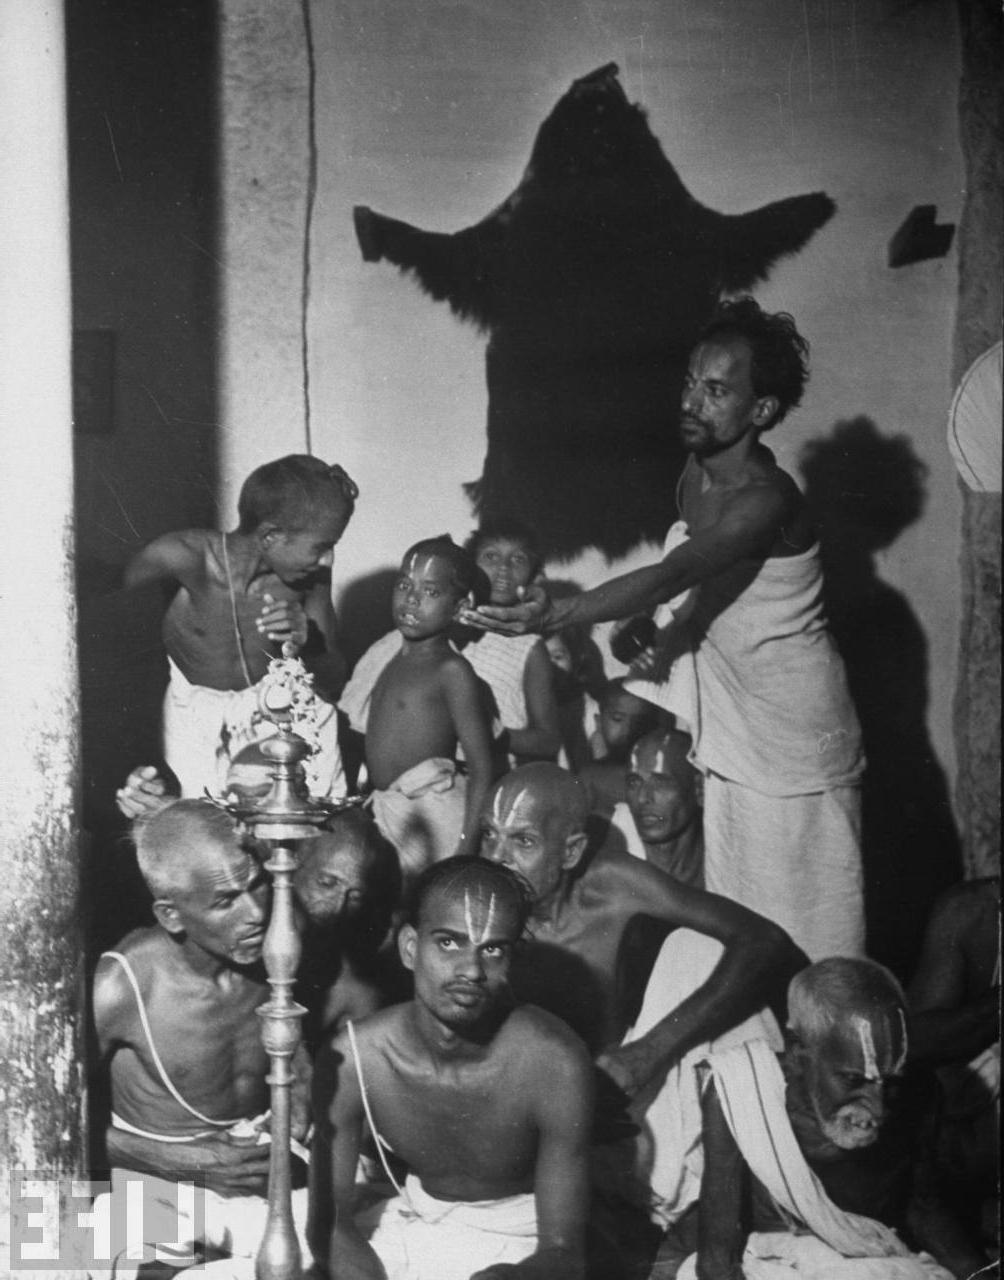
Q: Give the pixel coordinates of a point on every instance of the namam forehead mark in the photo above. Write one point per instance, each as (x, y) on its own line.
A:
(866, 1040)
(474, 906)
(518, 808)
(864, 1029)
(660, 759)
(423, 565)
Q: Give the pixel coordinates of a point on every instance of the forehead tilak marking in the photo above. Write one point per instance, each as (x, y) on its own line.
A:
(864, 1030)
(419, 567)
(510, 814)
(478, 936)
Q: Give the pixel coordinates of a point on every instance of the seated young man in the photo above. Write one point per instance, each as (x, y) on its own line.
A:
(417, 700)
(488, 1105)
(175, 1017)
(838, 1140)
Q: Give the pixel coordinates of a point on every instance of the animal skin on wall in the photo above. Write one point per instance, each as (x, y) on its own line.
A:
(592, 281)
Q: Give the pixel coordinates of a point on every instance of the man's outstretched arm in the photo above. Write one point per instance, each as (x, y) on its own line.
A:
(746, 529)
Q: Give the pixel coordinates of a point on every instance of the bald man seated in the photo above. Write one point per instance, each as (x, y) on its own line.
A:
(346, 887)
(175, 1019)
(486, 1103)
(838, 1140)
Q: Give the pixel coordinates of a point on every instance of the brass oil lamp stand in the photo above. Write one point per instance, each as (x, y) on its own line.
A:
(286, 815)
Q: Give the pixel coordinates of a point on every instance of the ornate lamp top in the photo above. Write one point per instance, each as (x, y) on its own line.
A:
(286, 698)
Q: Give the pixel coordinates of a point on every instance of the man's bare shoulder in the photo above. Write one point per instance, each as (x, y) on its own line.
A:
(182, 554)
(115, 1005)
(543, 1033)
(612, 871)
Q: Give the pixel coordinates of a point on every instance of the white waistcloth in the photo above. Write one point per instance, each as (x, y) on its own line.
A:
(151, 1218)
(418, 1237)
(203, 729)
(751, 1089)
(794, 859)
(759, 680)
(669, 1159)
(779, 1255)
(422, 813)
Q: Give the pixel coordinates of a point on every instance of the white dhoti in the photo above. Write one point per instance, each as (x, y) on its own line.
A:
(418, 1237)
(840, 1245)
(793, 859)
(151, 1219)
(203, 729)
(669, 1158)
(422, 813)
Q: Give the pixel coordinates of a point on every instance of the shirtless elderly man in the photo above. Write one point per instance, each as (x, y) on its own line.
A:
(486, 1103)
(535, 821)
(174, 1013)
(839, 1137)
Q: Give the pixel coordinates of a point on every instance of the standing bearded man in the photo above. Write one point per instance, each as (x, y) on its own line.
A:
(757, 676)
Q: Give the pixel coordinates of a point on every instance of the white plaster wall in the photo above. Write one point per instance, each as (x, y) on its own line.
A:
(427, 111)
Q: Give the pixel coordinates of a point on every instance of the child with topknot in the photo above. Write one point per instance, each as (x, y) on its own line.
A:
(236, 598)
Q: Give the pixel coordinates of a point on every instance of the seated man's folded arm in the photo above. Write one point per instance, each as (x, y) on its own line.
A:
(720, 1233)
(756, 965)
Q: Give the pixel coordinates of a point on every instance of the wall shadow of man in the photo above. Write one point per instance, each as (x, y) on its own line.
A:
(864, 489)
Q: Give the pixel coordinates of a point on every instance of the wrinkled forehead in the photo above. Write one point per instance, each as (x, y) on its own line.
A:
(333, 853)
(218, 865)
(724, 359)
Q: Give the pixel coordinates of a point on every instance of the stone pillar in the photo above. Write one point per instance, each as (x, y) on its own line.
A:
(42, 1102)
(978, 325)
(265, 198)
